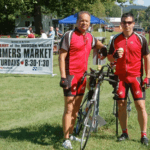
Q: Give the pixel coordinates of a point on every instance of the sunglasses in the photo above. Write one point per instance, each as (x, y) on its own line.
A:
(127, 22)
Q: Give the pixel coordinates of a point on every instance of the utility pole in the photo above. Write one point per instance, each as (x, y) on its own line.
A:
(121, 5)
(138, 18)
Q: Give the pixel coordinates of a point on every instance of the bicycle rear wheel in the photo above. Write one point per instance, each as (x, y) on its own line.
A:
(81, 115)
(89, 124)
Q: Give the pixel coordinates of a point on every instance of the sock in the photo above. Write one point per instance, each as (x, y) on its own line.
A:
(125, 131)
(143, 134)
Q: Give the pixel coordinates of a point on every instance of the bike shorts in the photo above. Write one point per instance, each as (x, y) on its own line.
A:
(75, 87)
(135, 85)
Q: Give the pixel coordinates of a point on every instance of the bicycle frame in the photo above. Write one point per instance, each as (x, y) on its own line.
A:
(93, 99)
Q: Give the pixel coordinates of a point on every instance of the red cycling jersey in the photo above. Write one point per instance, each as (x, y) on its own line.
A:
(135, 47)
(78, 47)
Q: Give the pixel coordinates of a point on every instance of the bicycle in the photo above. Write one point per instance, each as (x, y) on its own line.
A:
(88, 117)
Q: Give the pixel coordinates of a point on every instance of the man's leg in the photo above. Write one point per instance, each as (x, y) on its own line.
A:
(76, 106)
(72, 105)
(122, 113)
(142, 118)
(122, 91)
(142, 115)
(66, 119)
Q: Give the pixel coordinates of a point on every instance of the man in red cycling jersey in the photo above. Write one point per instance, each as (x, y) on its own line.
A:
(75, 48)
(129, 49)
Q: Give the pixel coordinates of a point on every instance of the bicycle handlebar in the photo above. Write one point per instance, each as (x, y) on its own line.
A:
(110, 80)
(101, 73)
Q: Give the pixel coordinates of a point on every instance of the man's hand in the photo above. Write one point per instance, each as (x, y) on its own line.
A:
(118, 54)
(146, 82)
(63, 83)
(102, 53)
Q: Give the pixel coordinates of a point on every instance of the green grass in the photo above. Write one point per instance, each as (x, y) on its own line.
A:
(31, 109)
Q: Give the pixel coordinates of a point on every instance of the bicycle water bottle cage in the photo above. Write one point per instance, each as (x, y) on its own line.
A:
(92, 82)
(90, 94)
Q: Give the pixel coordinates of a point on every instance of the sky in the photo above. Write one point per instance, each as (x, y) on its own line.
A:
(142, 2)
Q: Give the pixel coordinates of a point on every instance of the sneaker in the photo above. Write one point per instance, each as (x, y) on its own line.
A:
(67, 144)
(144, 140)
(123, 137)
(73, 138)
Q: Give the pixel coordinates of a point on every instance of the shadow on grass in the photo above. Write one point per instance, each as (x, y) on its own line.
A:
(42, 135)
(108, 137)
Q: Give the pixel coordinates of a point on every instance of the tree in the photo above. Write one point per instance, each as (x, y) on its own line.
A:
(116, 11)
(37, 16)
(97, 9)
(146, 23)
(10, 8)
(124, 1)
(135, 13)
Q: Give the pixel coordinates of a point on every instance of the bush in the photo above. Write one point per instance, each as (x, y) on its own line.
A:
(22, 36)
(4, 36)
(37, 36)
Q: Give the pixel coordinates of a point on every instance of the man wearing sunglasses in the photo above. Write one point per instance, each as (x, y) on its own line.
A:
(129, 49)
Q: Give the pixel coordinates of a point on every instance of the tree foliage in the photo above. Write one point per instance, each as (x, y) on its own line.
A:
(146, 23)
(116, 11)
(124, 1)
(142, 17)
(97, 9)
(108, 7)
(10, 8)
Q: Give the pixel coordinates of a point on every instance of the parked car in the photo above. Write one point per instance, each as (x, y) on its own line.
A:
(139, 31)
(21, 31)
(109, 28)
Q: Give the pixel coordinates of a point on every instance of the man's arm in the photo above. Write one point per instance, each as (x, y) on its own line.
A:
(99, 45)
(113, 54)
(147, 65)
(147, 71)
(49, 34)
(59, 33)
(62, 57)
(110, 58)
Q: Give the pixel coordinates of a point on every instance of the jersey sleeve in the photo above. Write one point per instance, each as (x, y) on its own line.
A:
(145, 49)
(111, 48)
(64, 43)
(94, 41)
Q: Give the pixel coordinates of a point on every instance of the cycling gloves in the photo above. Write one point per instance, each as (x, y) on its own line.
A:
(103, 51)
(63, 82)
(146, 82)
(115, 55)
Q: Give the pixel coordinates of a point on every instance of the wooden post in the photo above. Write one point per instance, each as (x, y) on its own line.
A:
(149, 37)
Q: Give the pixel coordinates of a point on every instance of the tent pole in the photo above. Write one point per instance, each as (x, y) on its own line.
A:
(105, 37)
(100, 30)
(62, 25)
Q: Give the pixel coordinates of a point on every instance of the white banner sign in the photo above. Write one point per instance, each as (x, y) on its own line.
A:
(26, 56)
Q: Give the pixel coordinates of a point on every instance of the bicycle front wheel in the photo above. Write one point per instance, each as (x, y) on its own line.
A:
(89, 124)
(81, 115)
